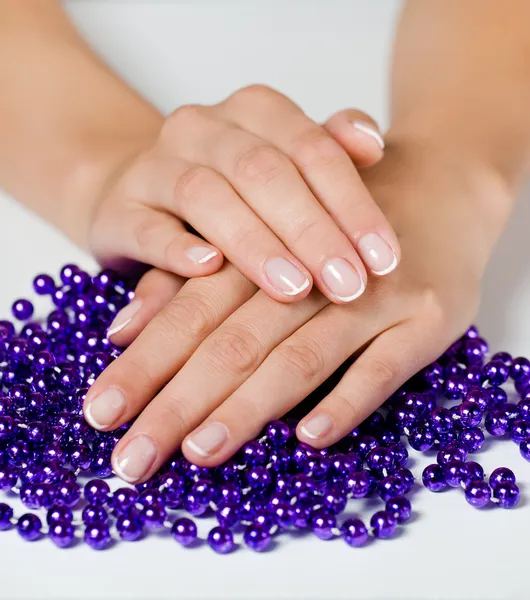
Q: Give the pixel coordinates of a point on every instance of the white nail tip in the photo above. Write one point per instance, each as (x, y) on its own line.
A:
(118, 469)
(91, 421)
(371, 132)
(354, 297)
(193, 446)
(118, 328)
(298, 290)
(208, 257)
(388, 269)
(307, 434)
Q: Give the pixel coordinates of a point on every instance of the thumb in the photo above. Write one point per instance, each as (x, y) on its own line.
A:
(358, 134)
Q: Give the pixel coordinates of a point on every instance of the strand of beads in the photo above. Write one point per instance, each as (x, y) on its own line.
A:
(274, 485)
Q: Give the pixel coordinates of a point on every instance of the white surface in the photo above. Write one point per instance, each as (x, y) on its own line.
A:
(325, 55)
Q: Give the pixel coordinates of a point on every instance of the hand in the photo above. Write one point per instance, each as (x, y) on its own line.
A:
(263, 184)
(237, 368)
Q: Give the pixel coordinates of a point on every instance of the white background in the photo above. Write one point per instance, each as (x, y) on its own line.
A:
(325, 55)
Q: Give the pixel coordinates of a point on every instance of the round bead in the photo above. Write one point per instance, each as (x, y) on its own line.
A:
(470, 414)
(524, 448)
(354, 532)
(96, 491)
(500, 476)
(359, 484)
(278, 433)
(43, 285)
(496, 423)
(383, 524)
(97, 536)
(221, 540)
(471, 471)
(471, 439)
(507, 494)
(453, 473)
(450, 453)
(184, 531)
(22, 309)
(62, 533)
(6, 514)
(519, 431)
(322, 523)
(496, 372)
(441, 420)
(129, 527)
(399, 507)
(29, 527)
(256, 538)
(478, 494)
(433, 478)
(520, 368)
(422, 438)
(94, 513)
(59, 513)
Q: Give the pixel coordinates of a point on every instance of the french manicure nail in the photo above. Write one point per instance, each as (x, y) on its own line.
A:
(124, 317)
(342, 280)
(317, 427)
(285, 277)
(105, 409)
(201, 254)
(208, 440)
(133, 462)
(377, 254)
(371, 131)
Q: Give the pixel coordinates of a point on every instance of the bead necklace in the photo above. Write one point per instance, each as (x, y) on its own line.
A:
(275, 484)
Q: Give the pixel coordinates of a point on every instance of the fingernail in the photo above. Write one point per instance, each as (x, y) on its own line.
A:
(208, 440)
(285, 277)
(371, 131)
(200, 254)
(317, 427)
(133, 462)
(105, 409)
(377, 254)
(124, 317)
(343, 281)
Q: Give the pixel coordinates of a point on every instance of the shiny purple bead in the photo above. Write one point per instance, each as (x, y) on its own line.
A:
(478, 494)
(380, 458)
(359, 484)
(254, 454)
(524, 448)
(184, 531)
(68, 494)
(354, 532)
(399, 453)
(471, 439)
(451, 453)
(94, 513)
(29, 527)
(390, 487)
(470, 414)
(153, 517)
(422, 438)
(507, 494)
(520, 368)
(322, 523)
(8, 477)
(221, 540)
(471, 472)
(500, 476)
(6, 514)
(277, 433)
(256, 538)
(496, 372)
(433, 478)
(383, 524)
(22, 309)
(496, 423)
(399, 507)
(62, 533)
(441, 420)
(96, 491)
(129, 527)
(454, 387)
(519, 431)
(453, 473)
(97, 536)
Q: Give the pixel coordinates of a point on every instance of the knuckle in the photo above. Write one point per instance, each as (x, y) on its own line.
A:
(235, 349)
(174, 411)
(350, 403)
(145, 232)
(182, 116)
(316, 150)
(304, 359)
(382, 373)
(187, 315)
(257, 92)
(191, 183)
(260, 165)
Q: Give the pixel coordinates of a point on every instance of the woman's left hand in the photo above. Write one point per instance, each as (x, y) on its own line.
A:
(238, 368)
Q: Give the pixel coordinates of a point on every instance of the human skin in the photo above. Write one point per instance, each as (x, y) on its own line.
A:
(457, 149)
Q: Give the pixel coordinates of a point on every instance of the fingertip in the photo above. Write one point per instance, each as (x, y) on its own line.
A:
(203, 260)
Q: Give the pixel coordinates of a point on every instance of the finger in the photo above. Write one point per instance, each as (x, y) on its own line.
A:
(265, 178)
(326, 168)
(203, 198)
(288, 375)
(155, 289)
(390, 360)
(222, 362)
(164, 346)
(358, 134)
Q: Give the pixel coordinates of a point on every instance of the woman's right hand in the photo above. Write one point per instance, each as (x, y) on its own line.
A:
(264, 185)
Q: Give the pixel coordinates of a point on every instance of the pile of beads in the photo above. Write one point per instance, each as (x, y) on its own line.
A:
(57, 464)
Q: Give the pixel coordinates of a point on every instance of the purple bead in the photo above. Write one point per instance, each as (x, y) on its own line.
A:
(507, 494)
(254, 454)
(399, 507)
(432, 374)
(322, 523)
(68, 494)
(129, 526)
(471, 472)
(184, 531)
(29, 527)
(383, 524)
(471, 439)
(478, 494)
(524, 448)
(8, 478)
(96, 491)
(496, 372)
(524, 409)
(228, 514)
(390, 487)
(153, 517)
(496, 423)
(335, 500)
(422, 438)
(500, 476)
(433, 478)
(354, 532)
(8, 428)
(193, 505)
(453, 473)
(359, 484)
(256, 538)
(406, 479)
(520, 368)
(97, 536)
(62, 533)
(152, 496)
(259, 478)
(101, 466)
(221, 540)
(399, 453)
(454, 387)
(405, 417)
(6, 514)
(282, 514)
(43, 285)
(473, 352)
(380, 458)
(67, 272)
(519, 431)
(277, 433)
(451, 453)
(441, 420)
(470, 414)
(59, 513)
(496, 397)
(22, 309)
(94, 513)
(342, 464)
(363, 444)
